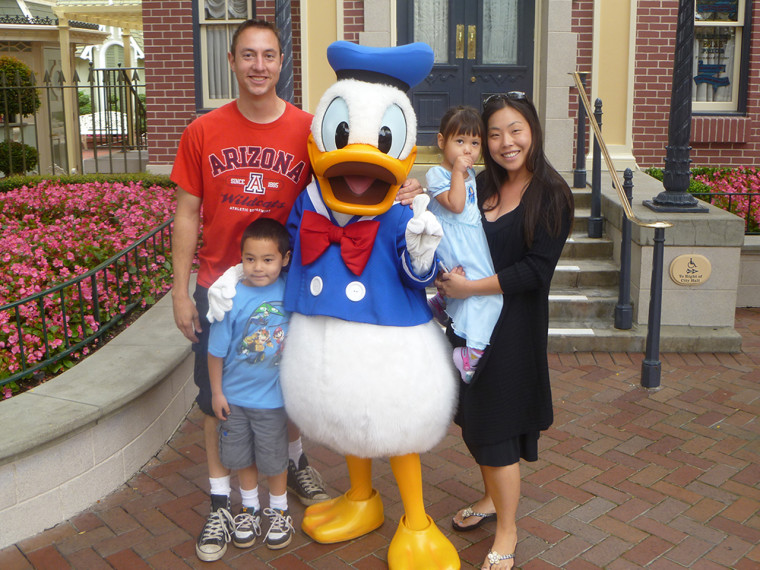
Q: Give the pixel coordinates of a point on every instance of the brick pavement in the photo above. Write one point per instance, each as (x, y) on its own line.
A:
(626, 478)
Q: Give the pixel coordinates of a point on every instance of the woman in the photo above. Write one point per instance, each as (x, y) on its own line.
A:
(527, 214)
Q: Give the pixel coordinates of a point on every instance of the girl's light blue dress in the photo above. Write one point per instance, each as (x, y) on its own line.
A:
(464, 243)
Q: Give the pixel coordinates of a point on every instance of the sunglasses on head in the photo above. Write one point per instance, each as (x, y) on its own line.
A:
(509, 95)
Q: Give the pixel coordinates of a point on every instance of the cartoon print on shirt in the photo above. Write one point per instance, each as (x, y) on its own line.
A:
(259, 333)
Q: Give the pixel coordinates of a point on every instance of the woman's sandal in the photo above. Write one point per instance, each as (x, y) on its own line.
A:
(466, 514)
(495, 558)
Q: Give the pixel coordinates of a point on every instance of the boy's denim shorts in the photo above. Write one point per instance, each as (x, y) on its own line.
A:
(257, 436)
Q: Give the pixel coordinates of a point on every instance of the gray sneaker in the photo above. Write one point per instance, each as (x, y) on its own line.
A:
(281, 529)
(216, 533)
(247, 528)
(306, 482)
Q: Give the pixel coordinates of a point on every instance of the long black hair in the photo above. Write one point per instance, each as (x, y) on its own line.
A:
(547, 198)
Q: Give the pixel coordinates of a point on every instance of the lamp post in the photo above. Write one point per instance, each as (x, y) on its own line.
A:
(677, 171)
(284, 23)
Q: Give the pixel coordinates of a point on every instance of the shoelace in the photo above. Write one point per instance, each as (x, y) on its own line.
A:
(278, 523)
(246, 522)
(310, 480)
(218, 525)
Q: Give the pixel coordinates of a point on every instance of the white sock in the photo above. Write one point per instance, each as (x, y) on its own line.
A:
(220, 485)
(250, 498)
(295, 450)
(278, 501)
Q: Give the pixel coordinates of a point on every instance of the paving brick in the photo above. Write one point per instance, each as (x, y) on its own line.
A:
(11, 558)
(688, 551)
(48, 558)
(87, 558)
(647, 550)
(730, 551)
(609, 549)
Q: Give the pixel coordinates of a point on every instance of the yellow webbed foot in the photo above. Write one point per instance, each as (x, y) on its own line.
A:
(343, 519)
(421, 549)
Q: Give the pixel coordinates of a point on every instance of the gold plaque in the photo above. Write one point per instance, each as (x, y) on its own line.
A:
(690, 269)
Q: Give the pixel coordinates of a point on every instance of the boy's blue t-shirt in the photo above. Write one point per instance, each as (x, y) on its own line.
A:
(250, 338)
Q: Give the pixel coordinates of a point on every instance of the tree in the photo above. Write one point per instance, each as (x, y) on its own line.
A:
(17, 92)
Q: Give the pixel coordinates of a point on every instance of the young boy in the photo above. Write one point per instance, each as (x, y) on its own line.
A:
(243, 358)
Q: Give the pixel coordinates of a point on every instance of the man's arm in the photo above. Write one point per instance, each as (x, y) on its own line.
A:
(187, 221)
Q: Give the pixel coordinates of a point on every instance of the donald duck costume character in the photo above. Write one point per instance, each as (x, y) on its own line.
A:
(365, 370)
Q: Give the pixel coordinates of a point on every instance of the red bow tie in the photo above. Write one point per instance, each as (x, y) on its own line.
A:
(356, 240)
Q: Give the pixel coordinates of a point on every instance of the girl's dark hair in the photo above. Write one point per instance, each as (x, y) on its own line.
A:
(461, 120)
(548, 196)
(266, 228)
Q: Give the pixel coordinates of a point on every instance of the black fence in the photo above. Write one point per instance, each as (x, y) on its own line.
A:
(744, 204)
(42, 330)
(107, 133)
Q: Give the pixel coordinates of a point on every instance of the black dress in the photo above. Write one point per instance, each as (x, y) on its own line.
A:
(509, 401)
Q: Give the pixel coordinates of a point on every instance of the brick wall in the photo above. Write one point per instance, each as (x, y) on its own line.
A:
(715, 140)
(170, 71)
(582, 25)
(169, 75)
(353, 20)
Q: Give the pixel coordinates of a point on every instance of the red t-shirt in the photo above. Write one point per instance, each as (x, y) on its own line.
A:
(241, 171)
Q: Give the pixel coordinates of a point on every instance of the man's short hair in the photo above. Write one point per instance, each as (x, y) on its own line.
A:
(254, 23)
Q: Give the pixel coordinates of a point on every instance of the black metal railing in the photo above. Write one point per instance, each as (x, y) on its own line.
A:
(743, 204)
(43, 329)
(651, 366)
(110, 137)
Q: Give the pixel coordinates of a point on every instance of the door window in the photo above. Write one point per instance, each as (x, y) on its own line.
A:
(431, 25)
(499, 29)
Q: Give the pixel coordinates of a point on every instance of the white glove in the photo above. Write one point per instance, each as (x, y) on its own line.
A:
(221, 293)
(423, 234)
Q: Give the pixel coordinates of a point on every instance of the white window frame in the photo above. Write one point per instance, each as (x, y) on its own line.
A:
(735, 73)
(205, 24)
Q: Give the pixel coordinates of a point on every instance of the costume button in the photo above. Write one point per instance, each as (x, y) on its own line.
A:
(316, 286)
(355, 291)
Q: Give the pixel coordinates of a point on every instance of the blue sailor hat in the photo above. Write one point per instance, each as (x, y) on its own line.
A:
(402, 67)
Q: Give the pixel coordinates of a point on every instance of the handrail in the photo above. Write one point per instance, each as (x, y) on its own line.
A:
(608, 161)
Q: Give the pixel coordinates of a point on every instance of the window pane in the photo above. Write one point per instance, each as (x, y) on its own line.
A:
(717, 10)
(238, 9)
(431, 25)
(214, 9)
(499, 29)
(714, 53)
(217, 71)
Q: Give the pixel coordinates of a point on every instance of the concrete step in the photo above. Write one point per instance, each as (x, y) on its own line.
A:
(576, 337)
(585, 273)
(580, 246)
(582, 305)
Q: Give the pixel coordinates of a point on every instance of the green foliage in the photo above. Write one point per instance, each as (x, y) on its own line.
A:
(148, 179)
(85, 104)
(17, 158)
(695, 186)
(19, 95)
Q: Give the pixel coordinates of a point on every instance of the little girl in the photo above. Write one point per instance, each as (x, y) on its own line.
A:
(464, 242)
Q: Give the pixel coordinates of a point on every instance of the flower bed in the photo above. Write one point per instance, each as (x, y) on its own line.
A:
(54, 232)
(736, 190)
(741, 193)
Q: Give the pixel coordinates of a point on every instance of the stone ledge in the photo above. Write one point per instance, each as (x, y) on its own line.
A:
(73, 440)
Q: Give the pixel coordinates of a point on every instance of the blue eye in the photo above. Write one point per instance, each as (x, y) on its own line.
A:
(335, 125)
(392, 134)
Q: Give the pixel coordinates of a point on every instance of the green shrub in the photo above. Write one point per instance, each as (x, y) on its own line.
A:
(147, 179)
(695, 186)
(19, 96)
(85, 105)
(17, 158)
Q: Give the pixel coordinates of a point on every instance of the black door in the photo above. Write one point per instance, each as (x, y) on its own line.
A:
(481, 47)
